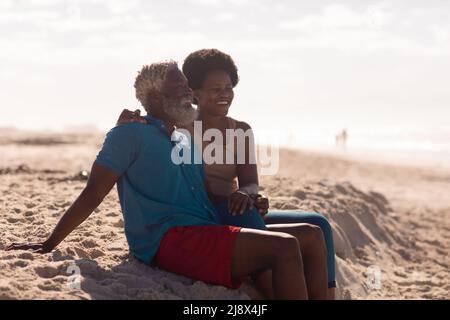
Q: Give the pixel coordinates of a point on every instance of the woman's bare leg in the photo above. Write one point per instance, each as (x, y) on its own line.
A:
(313, 249)
(257, 250)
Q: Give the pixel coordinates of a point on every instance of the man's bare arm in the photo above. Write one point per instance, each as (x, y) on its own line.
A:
(100, 182)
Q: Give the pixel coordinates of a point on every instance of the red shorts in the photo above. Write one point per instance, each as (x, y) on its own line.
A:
(200, 252)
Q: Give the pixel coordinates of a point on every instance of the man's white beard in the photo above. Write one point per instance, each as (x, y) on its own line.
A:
(180, 112)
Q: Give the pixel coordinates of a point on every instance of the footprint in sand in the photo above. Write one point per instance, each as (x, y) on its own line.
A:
(95, 253)
(112, 214)
(300, 194)
(20, 263)
(341, 189)
(52, 207)
(108, 236)
(81, 253)
(89, 243)
(14, 220)
(28, 213)
(30, 205)
(46, 271)
(27, 256)
(63, 204)
(118, 224)
(49, 286)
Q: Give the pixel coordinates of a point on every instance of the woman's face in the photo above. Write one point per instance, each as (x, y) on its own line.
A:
(216, 94)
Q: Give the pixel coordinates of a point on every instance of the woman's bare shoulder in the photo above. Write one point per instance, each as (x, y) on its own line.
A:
(241, 124)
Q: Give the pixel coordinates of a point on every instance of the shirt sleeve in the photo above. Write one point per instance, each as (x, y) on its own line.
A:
(119, 149)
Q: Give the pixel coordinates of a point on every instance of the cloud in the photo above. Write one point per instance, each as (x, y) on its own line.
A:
(340, 16)
(372, 29)
(225, 17)
(440, 34)
(120, 46)
(417, 13)
(224, 2)
(6, 4)
(18, 17)
(205, 2)
(194, 21)
(122, 7)
(38, 3)
(66, 26)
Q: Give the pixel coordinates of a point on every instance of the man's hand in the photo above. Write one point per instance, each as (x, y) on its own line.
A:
(39, 247)
(128, 116)
(261, 203)
(100, 182)
(238, 202)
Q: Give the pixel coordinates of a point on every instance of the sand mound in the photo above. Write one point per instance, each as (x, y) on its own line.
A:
(363, 226)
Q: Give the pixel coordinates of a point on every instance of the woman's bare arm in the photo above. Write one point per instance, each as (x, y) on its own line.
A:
(247, 171)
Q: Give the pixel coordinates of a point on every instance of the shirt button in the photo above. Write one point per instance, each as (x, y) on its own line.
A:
(192, 188)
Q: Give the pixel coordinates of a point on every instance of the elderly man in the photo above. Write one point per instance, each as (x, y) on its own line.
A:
(169, 220)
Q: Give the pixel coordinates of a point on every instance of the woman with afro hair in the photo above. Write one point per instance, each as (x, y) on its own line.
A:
(233, 187)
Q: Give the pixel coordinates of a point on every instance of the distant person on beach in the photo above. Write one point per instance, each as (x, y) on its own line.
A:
(169, 219)
(234, 188)
(341, 139)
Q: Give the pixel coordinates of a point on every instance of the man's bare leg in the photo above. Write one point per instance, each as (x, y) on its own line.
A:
(263, 279)
(331, 294)
(263, 282)
(257, 250)
(313, 250)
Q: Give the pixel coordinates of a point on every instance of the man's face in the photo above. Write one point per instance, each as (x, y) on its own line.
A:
(177, 98)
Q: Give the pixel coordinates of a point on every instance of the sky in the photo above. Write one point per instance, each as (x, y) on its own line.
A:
(308, 69)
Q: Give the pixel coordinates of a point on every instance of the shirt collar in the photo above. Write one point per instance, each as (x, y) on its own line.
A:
(175, 136)
(153, 119)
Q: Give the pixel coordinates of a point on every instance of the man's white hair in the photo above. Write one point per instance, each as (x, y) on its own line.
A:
(151, 77)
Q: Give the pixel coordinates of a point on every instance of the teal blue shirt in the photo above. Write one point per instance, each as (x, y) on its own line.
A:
(155, 192)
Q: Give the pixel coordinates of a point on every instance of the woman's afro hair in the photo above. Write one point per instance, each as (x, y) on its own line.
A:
(198, 64)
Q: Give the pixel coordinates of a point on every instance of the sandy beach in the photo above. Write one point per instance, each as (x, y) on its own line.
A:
(391, 221)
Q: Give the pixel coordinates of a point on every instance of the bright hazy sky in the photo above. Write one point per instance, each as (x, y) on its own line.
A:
(308, 68)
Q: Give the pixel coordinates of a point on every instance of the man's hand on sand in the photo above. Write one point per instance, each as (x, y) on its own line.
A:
(38, 247)
(128, 116)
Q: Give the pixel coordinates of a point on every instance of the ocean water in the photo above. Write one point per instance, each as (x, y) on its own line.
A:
(429, 148)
